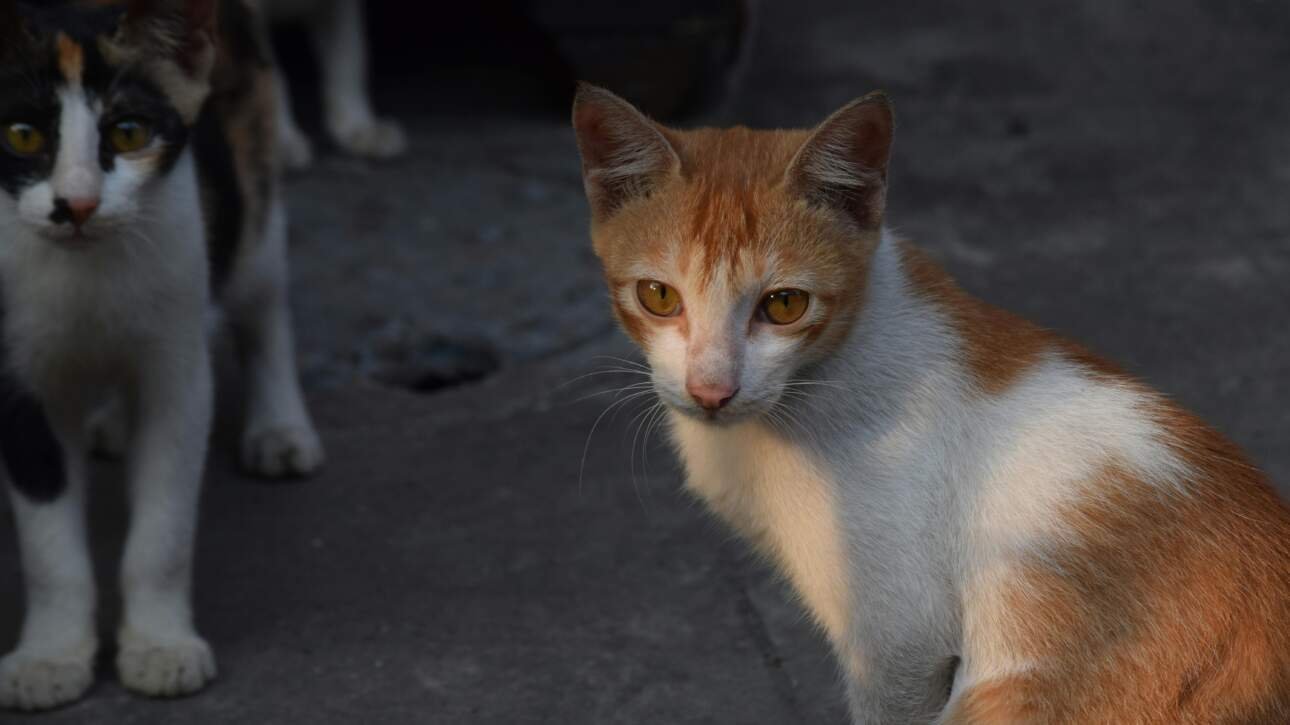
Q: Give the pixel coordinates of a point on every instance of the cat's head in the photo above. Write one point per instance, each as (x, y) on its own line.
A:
(96, 101)
(735, 258)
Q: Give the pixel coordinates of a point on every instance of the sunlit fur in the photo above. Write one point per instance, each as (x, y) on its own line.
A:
(989, 524)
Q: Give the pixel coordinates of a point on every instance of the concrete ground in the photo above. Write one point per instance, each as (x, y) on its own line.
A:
(1119, 172)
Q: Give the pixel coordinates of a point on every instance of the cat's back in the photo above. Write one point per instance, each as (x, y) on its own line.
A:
(234, 141)
(1120, 561)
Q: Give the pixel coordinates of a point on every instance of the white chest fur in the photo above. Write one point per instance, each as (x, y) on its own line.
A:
(774, 493)
(85, 310)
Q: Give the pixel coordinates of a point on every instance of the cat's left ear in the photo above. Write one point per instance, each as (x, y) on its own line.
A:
(843, 165)
(183, 35)
(185, 29)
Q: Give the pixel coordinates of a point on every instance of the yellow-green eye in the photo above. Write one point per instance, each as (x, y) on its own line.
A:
(129, 135)
(658, 298)
(24, 139)
(785, 306)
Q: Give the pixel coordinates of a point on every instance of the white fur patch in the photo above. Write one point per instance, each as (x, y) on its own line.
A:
(898, 498)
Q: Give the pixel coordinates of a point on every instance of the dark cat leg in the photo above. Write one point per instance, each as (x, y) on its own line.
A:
(53, 662)
(279, 439)
(160, 653)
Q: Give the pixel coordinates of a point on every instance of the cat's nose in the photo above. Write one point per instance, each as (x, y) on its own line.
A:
(709, 396)
(74, 211)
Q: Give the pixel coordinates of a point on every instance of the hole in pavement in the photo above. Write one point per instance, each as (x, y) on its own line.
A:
(398, 355)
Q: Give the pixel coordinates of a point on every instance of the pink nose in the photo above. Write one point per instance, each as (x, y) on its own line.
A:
(711, 397)
(79, 211)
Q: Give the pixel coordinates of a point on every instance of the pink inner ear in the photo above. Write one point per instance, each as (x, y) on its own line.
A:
(594, 134)
(871, 140)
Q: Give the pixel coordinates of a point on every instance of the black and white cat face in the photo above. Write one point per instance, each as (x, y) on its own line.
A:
(96, 102)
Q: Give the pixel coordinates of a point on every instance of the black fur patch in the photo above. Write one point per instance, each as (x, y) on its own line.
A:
(221, 195)
(27, 95)
(133, 96)
(29, 81)
(80, 21)
(28, 447)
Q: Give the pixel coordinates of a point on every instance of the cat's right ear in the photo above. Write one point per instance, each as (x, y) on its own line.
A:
(624, 154)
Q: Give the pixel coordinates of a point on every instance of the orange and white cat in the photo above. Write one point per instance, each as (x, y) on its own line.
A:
(989, 524)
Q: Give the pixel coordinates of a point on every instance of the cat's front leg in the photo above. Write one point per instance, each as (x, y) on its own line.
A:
(159, 652)
(339, 34)
(53, 663)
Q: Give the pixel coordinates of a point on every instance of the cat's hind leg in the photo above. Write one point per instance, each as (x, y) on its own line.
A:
(293, 145)
(339, 34)
(279, 438)
(53, 663)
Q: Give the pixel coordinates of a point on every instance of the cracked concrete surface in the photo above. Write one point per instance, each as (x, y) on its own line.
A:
(1118, 173)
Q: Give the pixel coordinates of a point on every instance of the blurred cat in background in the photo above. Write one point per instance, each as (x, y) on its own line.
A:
(339, 37)
(138, 183)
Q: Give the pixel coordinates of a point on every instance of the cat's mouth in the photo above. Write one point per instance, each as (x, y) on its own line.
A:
(721, 417)
(74, 238)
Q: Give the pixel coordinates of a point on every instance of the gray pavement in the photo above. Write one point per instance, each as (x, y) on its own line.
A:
(1117, 172)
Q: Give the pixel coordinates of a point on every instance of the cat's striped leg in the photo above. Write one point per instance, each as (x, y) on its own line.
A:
(160, 652)
(53, 663)
(279, 439)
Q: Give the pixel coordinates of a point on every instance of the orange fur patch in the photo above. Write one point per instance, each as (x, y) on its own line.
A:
(998, 346)
(997, 703)
(71, 59)
(729, 209)
(1172, 607)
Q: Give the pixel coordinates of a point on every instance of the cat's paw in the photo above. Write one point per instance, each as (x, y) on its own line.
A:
(295, 149)
(377, 139)
(41, 682)
(282, 451)
(168, 667)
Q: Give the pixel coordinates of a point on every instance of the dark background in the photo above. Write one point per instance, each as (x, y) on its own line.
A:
(1117, 171)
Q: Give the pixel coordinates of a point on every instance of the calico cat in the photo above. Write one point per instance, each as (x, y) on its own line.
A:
(340, 40)
(137, 184)
(989, 524)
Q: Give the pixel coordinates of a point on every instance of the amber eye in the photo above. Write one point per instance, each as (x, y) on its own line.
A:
(785, 306)
(129, 135)
(658, 298)
(24, 139)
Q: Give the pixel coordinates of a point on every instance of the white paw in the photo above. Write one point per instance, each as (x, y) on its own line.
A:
(40, 682)
(379, 139)
(280, 452)
(165, 668)
(296, 151)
